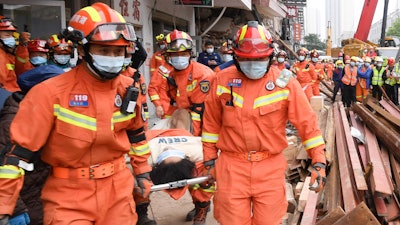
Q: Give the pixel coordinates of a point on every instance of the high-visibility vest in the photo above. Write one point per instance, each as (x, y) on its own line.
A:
(350, 75)
(390, 81)
(377, 76)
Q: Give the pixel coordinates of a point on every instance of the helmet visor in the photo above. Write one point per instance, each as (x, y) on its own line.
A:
(7, 24)
(247, 45)
(112, 32)
(179, 45)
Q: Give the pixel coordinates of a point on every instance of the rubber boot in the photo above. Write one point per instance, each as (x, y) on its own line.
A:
(202, 209)
(141, 210)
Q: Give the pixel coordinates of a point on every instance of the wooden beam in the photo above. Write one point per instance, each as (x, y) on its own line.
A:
(332, 217)
(361, 184)
(390, 107)
(356, 123)
(378, 177)
(360, 215)
(310, 211)
(383, 112)
(349, 197)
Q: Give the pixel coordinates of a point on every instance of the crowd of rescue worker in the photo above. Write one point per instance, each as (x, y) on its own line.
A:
(70, 119)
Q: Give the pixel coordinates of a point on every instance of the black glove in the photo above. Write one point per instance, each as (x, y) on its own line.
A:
(209, 170)
(142, 185)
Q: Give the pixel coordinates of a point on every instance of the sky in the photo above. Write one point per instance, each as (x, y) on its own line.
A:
(318, 7)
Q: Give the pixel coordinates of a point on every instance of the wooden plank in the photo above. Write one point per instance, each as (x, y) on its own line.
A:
(310, 211)
(387, 166)
(358, 173)
(396, 172)
(356, 123)
(394, 111)
(329, 135)
(383, 112)
(378, 177)
(332, 217)
(360, 215)
(305, 191)
(349, 197)
(292, 204)
(393, 209)
(380, 206)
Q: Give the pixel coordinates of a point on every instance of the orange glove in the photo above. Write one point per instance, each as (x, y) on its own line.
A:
(209, 171)
(318, 177)
(143, 185)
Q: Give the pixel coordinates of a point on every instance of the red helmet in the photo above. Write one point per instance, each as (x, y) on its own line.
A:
(252, 41)
(6, 24)
(302, 51)
(281, 53)
(314, 53)
(37, 46)
(178, 41)
(391, 61)
(101, 24)
(59, 45)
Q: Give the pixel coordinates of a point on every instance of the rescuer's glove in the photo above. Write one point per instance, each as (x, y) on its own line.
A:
(209, 171)
(143, 185)
(4, 220)
(21, 219)
(318, 177)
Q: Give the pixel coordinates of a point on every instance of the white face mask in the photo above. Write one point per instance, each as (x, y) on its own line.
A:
(210, 50)
(254, 69)
(367, 64)
(281, 60)
(301, 58)
(127, 61)
(314, 59)
(179, 62)
(109, 64)
(227, 57)
(62, 59)
(352, 63)
(162, 46)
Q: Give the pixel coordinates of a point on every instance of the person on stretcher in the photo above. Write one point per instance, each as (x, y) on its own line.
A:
(177, 155)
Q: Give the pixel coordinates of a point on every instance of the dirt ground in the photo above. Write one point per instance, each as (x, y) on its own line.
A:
(167, 211)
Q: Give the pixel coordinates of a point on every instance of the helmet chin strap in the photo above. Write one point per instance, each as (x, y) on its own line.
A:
(103, 75)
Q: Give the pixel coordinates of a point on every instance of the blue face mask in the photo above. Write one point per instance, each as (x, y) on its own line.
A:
(38, 60)
(367, 64)
(62, 59)
(9, 42)
(301, 58)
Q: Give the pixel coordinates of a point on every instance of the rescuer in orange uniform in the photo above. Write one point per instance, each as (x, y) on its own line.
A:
(281, 59)
(8, 79)
(158, 57)
(245, 119)
(329, 67)
(319, 69)
(61, 52)
(82, 125)
(349, 81)
(305, 72)
(188, 83)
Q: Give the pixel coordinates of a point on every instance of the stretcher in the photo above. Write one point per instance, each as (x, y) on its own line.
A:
(178, 184)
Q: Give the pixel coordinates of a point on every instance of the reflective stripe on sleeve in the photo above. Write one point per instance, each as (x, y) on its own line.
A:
(154, 97)
(209, 137)
(313, 142)
(195, 116)
(11, 172)
(139, 150)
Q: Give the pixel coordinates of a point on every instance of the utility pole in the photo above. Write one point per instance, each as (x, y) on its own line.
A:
(383, 32)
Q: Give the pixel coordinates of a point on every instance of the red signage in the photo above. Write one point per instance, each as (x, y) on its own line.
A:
(291, 12)
(297, 32)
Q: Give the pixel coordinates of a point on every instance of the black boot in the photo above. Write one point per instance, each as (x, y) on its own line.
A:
(202, 209)
(141, 210)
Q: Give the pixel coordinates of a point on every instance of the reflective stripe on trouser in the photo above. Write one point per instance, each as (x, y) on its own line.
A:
(361, 93)
(86, 202)
(241, 183)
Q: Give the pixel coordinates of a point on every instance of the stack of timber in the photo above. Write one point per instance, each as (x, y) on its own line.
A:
(363, 153)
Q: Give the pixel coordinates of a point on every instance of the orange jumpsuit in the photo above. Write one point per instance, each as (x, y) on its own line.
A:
(319, 69)
(329, 70)
(8, 79)
(22, 63)
(156, 60)
(305, 74)
(249, 130)
(158, 89)
(281, 66)
(76, 120)
(193, 85)
(198, 194)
